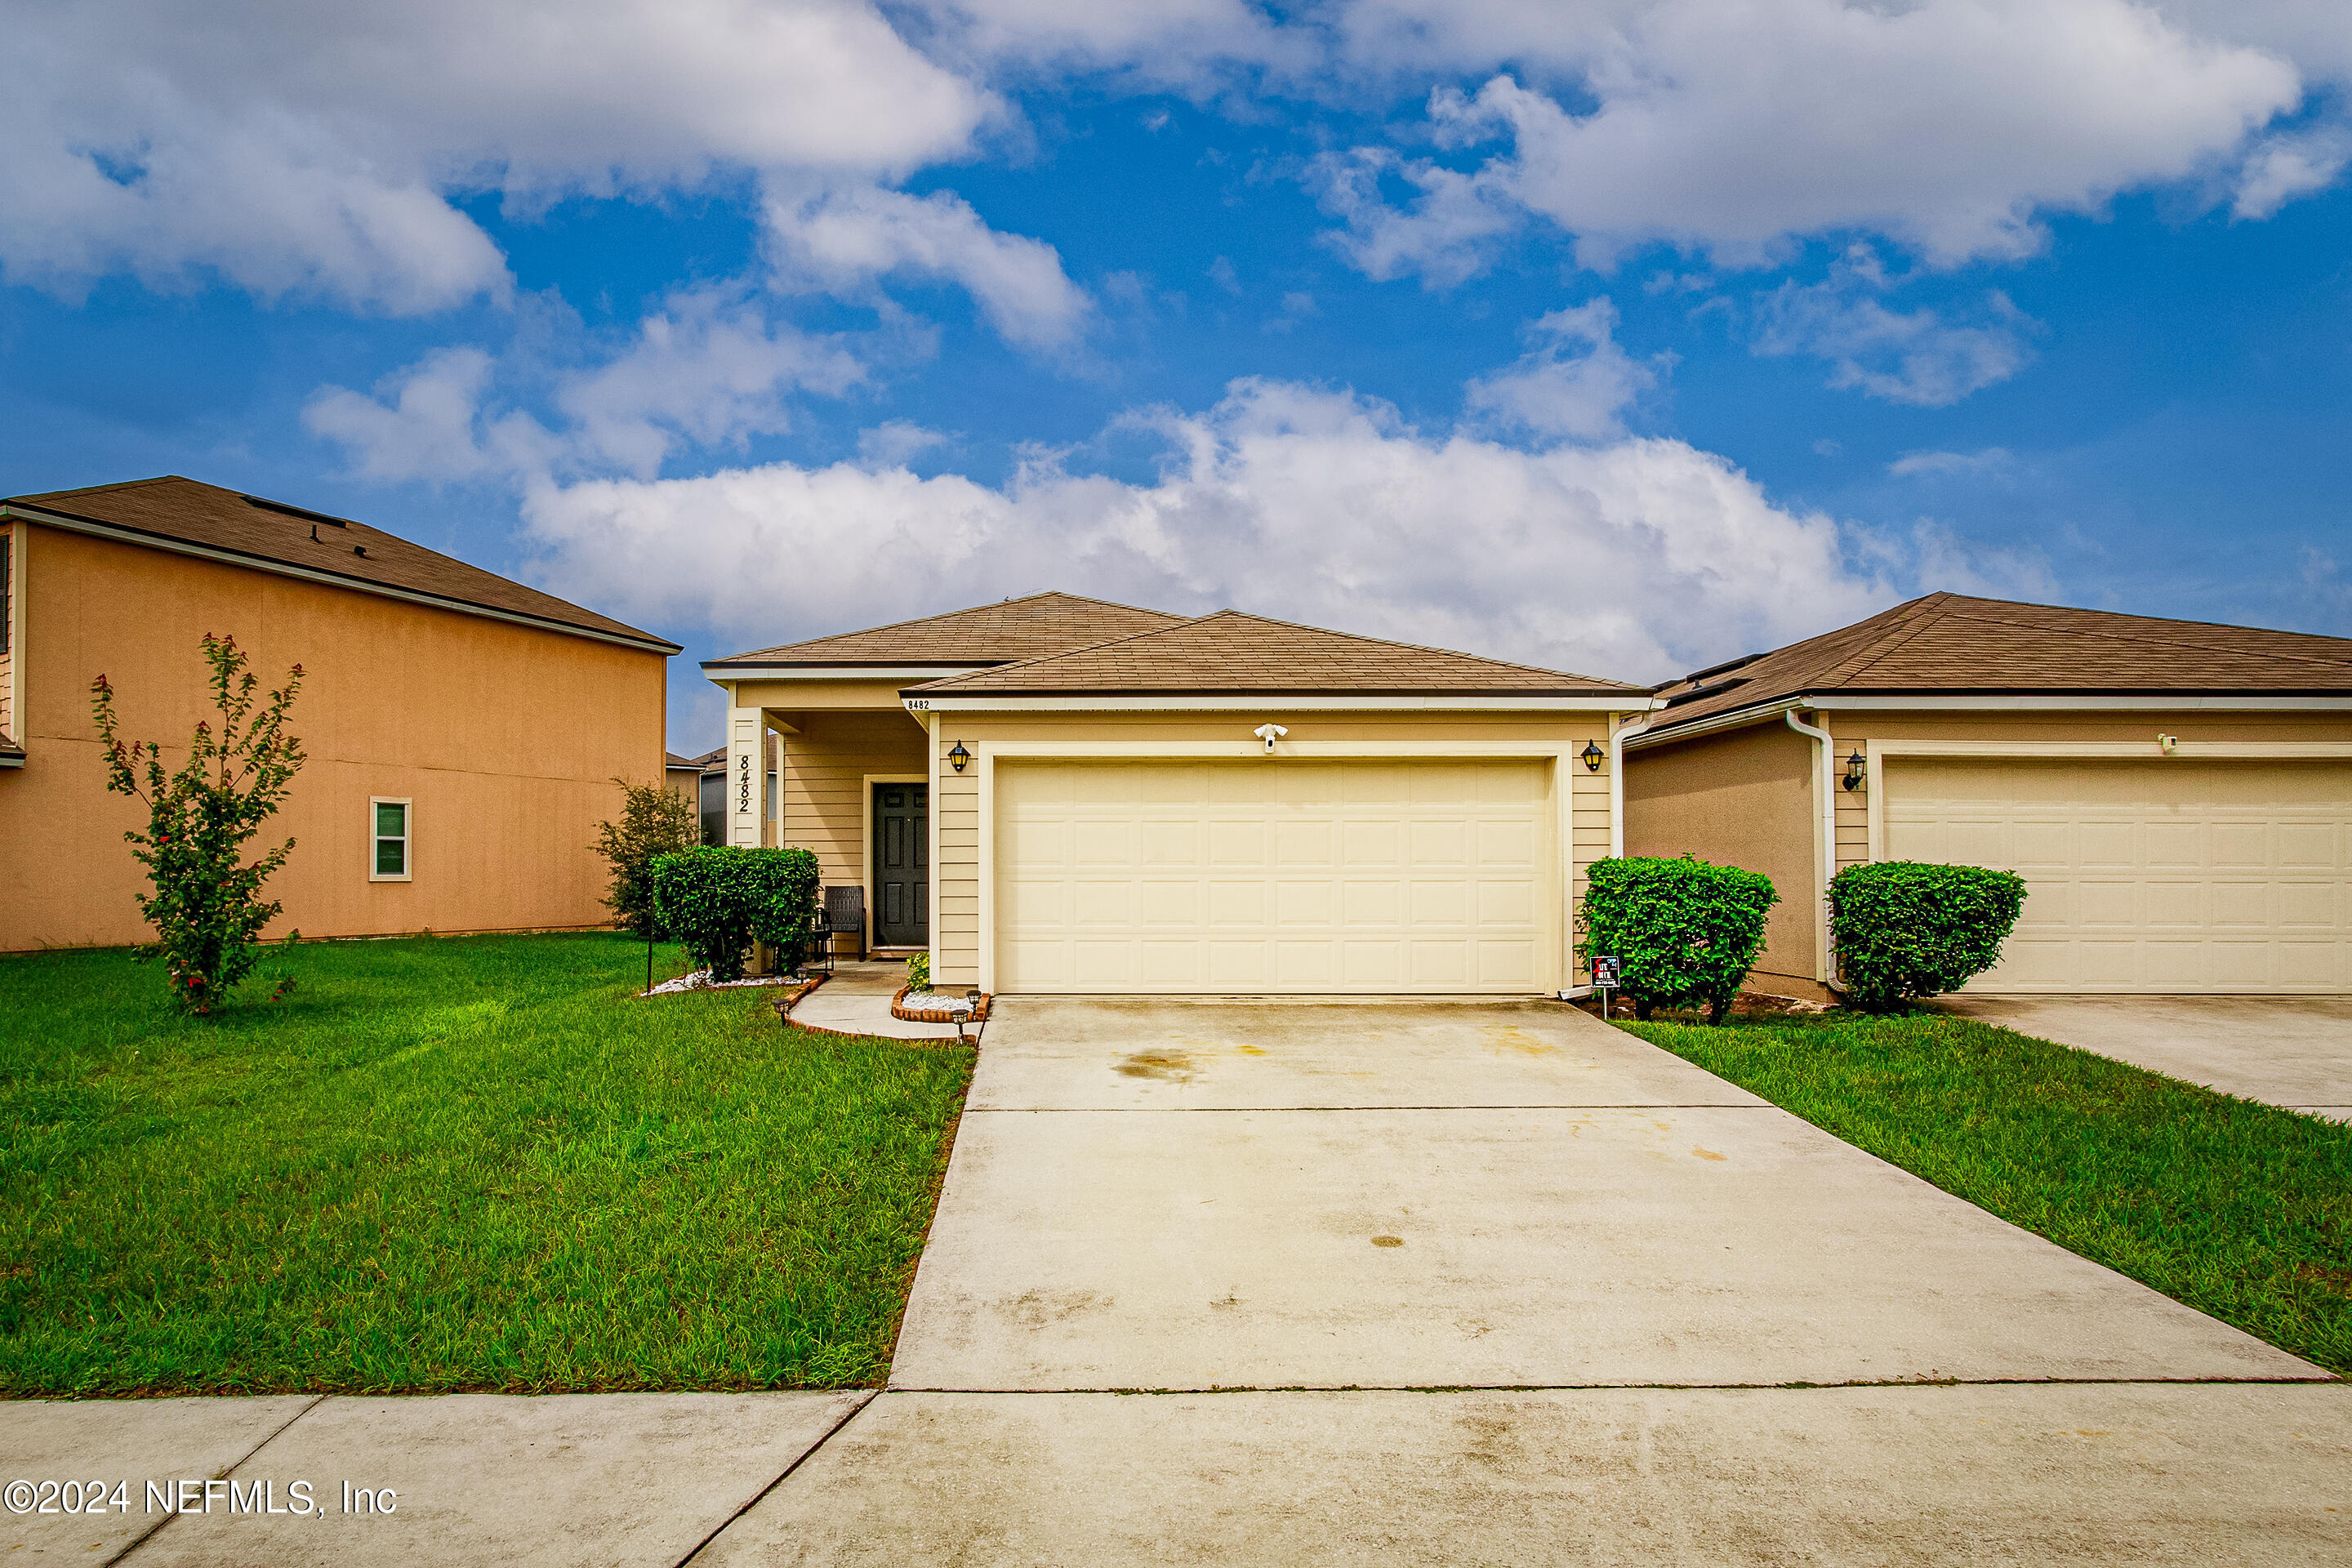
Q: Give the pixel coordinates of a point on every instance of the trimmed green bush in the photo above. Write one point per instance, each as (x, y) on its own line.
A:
(1684, 931)
(1907, 929)
(719, 901)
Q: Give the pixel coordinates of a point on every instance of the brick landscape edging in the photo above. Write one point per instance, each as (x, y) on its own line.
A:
(936, 1015)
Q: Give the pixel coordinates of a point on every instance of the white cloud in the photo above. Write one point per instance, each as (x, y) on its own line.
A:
(841, 238)
(1940, 465)
(311, 150)
(1558, 390)
(1447, 232)
(1945, 125)
(1637, 559)
(1916, 357)
(894, 443)
(707, 369)
(421, 425)
(2281, 168)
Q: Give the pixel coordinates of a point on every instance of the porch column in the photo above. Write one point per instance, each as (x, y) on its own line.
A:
(747, 777)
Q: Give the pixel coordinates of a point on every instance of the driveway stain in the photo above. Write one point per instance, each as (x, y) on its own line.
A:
(1388, 1241)
(1170, 1067)
(1705, 1153)
(1501, 1037)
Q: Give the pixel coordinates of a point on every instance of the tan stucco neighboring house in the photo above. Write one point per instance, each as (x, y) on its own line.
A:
(463, 731)
(2177, 796)
(1059, 794)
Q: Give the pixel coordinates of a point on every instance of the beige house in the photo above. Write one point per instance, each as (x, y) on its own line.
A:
(2177, 795)
(463, 731)
(1059, 794)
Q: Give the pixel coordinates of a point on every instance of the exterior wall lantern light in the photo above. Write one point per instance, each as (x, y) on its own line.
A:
(958, 757)
(1592, 755)
(1857, 768)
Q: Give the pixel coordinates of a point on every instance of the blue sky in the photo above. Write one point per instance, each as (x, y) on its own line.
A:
(1622, 337)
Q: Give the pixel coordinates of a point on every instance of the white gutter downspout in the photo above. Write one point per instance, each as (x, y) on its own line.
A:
(1617, 739)
(1825, 827)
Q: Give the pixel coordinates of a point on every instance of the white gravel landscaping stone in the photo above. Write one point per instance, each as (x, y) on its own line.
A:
(700, 980)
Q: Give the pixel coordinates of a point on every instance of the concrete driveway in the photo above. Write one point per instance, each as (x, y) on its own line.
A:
(1152, 1195)
(2294, 1051)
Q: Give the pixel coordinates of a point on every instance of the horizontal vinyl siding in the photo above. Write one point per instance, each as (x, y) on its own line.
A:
(955, 923)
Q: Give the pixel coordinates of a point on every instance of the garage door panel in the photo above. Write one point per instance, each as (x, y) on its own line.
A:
(1100, 843)
(1306, 903)
(2309, 906)
(1372, 965)
(1376, 902)
(1159, 902)
(2310, 846)
(2151, 877)
(1311, 965)
(1290, 875)
(1442, 841)
(1237, 844)
(1237, 903)
(1306, 843)
(1502, 843)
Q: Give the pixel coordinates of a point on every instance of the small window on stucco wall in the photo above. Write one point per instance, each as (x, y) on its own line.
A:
(388, 846)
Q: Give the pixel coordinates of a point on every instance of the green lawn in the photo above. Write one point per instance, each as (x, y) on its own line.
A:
(453, 1163)
(2240, 1210)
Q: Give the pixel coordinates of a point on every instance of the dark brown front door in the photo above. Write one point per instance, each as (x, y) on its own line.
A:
(902, 865)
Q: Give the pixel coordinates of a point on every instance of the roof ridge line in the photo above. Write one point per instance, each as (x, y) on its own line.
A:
(1422, 648)
(943, 615)
(2156, 640)
(1905, 627)
(1083, 647)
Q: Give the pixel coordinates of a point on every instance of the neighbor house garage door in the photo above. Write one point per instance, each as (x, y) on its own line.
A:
(2152, 876)
(1275, 875)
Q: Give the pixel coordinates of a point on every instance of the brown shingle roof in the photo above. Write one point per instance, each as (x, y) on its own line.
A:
(992, 633)
(172, 508)
(1949, 643)
(1231, 652)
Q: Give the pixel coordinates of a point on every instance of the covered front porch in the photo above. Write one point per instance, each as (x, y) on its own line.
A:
(851, 782)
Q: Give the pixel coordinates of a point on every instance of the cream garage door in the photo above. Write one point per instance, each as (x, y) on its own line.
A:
(2156, 877)
(1275, 875)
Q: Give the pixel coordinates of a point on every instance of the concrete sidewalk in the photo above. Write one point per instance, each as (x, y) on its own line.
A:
(856, 1001)
(475, 1478)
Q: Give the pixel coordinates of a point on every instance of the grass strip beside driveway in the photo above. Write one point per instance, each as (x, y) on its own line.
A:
(2238, 1209)
(463, 1163)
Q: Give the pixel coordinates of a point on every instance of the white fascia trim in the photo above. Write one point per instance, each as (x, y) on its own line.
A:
(723, 670)
(1275, 702)
(329, 579)
(1649, 735)
(1994, 704)
(2094, 703)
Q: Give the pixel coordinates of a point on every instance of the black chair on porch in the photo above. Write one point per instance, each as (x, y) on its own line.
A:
(844, 918)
